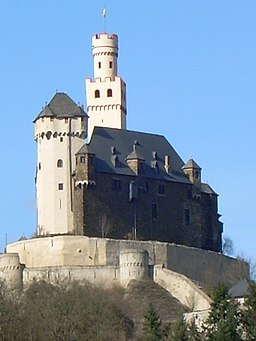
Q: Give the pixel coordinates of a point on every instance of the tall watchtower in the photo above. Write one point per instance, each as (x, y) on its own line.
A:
(106, 93)
(60, 130)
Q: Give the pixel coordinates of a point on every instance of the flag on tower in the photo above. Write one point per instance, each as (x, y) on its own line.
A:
(104, 12)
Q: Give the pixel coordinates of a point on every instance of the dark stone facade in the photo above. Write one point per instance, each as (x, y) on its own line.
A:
(129, 201)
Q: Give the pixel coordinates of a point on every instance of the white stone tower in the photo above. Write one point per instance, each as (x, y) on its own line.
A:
(60, 130)
(106, 93)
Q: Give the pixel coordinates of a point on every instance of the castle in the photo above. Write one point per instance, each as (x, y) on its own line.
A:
(122, 206)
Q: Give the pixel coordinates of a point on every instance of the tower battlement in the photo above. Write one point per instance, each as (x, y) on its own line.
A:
(106, 80)
(105, 40)
(105, 87)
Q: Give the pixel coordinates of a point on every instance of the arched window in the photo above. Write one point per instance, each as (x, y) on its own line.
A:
(97, 94)
(109, 92)
(60, 163)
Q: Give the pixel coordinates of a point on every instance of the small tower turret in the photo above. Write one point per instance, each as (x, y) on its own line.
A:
(60, 130)
(193, 171)
(106, 93)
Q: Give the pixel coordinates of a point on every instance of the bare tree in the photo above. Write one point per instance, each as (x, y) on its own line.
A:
(228, 246)
(105, 226)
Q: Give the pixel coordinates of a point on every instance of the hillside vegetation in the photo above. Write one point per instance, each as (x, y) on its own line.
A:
(143, 312)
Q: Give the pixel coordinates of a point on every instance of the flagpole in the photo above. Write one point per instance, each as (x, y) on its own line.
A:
(104, 14)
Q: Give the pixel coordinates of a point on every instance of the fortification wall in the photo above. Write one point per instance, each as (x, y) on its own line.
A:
(182, 288)
(206, 267)
(60, 251)
(157, 251)
(103, 276)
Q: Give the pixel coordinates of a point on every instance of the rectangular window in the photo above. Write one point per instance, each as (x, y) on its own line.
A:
(161, 189)
(82, 159)
(61, 139)
(154, 211)
(66, 120)
(116, 185)
(110, 65)
(187, 217)
(60, 186)
(51, 119)
(99, 65)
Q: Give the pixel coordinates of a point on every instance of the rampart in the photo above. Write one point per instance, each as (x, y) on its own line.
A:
(84, 257)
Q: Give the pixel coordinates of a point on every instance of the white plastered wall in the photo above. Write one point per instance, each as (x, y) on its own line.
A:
(57, 139)
(105, 110)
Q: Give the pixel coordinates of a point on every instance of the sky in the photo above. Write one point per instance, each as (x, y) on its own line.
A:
(190, 70)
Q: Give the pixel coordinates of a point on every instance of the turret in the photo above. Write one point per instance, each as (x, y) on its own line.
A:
(106, 93)
(60, 130)
(105, 53)
(193, 171)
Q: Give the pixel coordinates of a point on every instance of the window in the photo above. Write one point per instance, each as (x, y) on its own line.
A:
(82, 159)
(60, 163)
(109, 93)
(99, 65)
(39, 165)
(161, 189)
(97, 94)
(61, 139)
(116, 185)
(154, 211)
(66, 120)
(110, 65)
(60, 186)
(187, 217)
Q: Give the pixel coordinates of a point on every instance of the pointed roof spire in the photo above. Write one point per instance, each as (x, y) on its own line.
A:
(191, 164)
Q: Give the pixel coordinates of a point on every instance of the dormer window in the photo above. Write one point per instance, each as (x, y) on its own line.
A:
(109, 93)
(97, 94)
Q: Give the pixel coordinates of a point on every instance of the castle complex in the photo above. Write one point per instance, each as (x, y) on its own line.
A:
(122, 206)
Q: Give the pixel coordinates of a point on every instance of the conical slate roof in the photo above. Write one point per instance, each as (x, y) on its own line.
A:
(60, 106)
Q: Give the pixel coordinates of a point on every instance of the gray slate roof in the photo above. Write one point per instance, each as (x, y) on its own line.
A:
(205, 188)
(149, 147)
(60, 106)
(191, 164)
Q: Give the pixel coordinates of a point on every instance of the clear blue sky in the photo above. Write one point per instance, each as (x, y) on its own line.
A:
(190, 69)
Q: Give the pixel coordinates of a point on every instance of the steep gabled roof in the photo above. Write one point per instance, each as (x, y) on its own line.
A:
(149, 147)
(60, 106)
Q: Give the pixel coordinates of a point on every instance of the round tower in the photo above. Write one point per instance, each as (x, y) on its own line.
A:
(134, 264)
(60, 130)
(106, 93)
(105, 53)
(11, 271)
